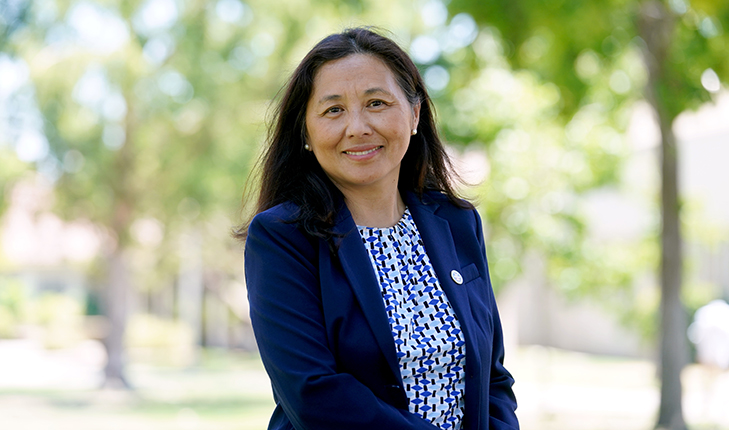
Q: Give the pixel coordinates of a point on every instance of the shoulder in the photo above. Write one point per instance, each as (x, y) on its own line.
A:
(434, 197)
(274, 236)
(465, 222)
(284, 213)
(444, 207)
(276, 225)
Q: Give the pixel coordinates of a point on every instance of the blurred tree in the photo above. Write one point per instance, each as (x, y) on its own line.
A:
(10, 170)
(13, 17)
(153, 111)
(570, 43)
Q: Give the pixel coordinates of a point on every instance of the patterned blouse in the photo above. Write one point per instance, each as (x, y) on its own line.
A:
(430, 344)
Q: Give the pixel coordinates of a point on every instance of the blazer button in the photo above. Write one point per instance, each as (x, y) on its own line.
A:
(456, 276)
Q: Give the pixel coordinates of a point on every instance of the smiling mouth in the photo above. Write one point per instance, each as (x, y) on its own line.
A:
(369, 151)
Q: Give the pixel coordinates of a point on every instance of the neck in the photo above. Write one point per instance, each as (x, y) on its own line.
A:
(377, 210)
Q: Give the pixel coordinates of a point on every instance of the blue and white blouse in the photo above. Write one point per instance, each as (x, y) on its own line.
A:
(430, 344)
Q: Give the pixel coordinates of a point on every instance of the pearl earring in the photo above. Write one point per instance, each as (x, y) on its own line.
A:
(414, 132)
(307, 147)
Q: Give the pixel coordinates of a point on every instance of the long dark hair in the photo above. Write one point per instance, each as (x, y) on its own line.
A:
(288, 172)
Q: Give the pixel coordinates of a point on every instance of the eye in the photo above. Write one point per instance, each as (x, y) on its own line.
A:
(377, 103)
(333, 110)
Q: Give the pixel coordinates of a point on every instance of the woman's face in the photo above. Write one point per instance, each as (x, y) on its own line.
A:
(359, 124)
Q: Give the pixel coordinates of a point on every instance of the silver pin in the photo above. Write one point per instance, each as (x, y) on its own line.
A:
(456, 276)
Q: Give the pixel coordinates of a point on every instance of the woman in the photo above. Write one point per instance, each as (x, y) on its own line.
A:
(369, 292)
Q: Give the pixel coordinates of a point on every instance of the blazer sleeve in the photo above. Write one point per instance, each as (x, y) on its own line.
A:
(502, 402)
(286, 313)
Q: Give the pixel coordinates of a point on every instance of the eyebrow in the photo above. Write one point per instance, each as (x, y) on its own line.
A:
(377, 90)
(367, 92)
(329, 98)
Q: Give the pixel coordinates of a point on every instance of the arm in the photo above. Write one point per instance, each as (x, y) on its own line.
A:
(287, 318)
(502, 402)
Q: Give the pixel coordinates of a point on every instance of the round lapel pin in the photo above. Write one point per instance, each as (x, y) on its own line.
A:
(456, 276)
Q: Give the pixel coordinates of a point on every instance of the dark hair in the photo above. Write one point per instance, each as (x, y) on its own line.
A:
(291, 173)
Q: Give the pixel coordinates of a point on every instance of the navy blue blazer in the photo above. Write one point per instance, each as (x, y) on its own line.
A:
(323, 333)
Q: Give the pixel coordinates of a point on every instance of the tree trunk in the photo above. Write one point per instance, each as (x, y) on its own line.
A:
(674, 346)
(656, 28)
(119, 282)
(115, 306)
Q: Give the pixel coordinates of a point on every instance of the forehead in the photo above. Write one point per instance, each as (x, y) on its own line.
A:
(357, 72)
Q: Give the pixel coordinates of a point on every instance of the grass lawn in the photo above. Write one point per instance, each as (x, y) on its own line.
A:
(226, 391)
(556, 390)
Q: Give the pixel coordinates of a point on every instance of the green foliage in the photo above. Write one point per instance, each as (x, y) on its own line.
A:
(13, 15)
(60, 317)
(10, 171)
(12, 306)
(541, 163)
(548, 37)
(158, 340)
(588, 55)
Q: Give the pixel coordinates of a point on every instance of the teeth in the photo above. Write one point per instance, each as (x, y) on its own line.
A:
(362, 152)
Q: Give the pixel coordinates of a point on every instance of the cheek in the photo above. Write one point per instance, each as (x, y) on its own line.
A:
(400, 126)
(321, 134)
(401, 133)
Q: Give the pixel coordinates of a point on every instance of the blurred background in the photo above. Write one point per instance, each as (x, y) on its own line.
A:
(128, 129)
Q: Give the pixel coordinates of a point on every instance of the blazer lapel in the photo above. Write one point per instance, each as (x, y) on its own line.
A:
(438, 240)
(437, 237)
(358, 269)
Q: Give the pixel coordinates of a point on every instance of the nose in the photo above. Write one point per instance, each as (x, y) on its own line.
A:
(358, 125)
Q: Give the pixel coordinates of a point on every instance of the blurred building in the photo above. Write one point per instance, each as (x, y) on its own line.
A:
(43, 256)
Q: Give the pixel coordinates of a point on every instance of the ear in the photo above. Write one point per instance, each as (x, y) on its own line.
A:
(416, 115)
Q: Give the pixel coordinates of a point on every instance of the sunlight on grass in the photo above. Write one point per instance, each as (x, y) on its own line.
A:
(556, 390)
(225, 391)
